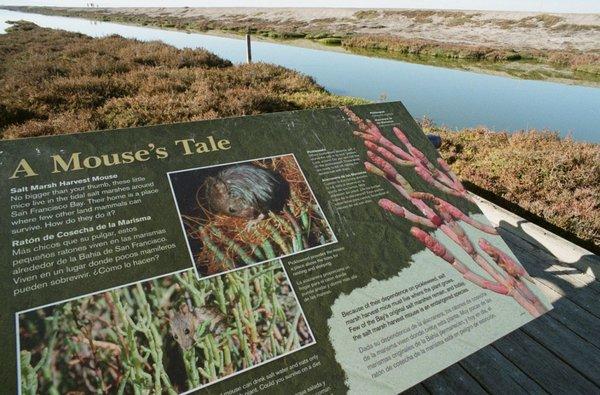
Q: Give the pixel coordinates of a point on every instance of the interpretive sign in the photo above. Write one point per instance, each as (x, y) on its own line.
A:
(320, 251)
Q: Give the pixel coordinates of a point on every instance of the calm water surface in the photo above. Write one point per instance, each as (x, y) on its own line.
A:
(449, 97)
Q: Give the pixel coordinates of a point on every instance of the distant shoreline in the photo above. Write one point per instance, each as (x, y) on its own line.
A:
(554, 47)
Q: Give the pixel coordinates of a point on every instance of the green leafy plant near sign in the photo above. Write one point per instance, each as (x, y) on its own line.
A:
(121, 341)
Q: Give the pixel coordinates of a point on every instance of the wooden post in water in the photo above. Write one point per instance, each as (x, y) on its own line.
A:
(248, 49)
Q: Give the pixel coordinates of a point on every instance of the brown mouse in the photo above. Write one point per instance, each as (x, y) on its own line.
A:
(185, 322)
(246, 191)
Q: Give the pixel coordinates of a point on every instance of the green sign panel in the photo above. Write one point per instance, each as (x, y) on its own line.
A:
(309, 252)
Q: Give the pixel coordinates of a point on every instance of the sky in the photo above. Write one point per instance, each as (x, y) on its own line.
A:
(575, 6)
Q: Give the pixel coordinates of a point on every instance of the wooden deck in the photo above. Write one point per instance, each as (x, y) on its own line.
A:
(558, 353)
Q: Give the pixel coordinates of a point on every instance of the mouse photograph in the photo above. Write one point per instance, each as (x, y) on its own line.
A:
(244, 213)
(168, 335)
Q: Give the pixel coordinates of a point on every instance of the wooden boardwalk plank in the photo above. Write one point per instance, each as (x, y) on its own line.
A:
(572, 349)
(585, 325)
(550, 372)
(566, 286)
(559, 353)
(586, 263)
(453, 380)
(418, 389)
(582, 297)
(540, 239)
(575, 277)
(552, 265)
(566, 272)
(496, 374)
(572, 316)
(547, 260)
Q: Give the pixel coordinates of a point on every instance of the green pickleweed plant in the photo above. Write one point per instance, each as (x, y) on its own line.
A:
(125, 340)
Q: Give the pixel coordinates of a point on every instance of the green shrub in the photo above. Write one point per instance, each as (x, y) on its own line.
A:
(331, 41)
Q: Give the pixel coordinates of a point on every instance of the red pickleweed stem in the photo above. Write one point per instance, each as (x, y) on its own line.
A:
(444, 179)
(384, 155)
(503, 260)
(504, 287)
(402, 212)
(405, 189)
(513, 269)
(438, 249)
(454, 211)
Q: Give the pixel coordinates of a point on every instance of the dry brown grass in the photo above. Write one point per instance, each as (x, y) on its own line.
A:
(366, 14)
(545, 20)
(57, 82)
(556, 179)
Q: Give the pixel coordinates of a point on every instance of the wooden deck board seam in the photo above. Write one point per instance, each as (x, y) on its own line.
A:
(580, 303)
(511, 366)
(541, 384)
(573, 332)
(537, 268)
(552, 261)
(576, 379)
(531, 333)
(482, 385)
(561, 359)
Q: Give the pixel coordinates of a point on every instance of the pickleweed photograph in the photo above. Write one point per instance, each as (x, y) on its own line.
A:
(167, 335)
(240, 214)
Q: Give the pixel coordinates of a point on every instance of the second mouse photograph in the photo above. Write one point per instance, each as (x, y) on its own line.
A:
(239, 214)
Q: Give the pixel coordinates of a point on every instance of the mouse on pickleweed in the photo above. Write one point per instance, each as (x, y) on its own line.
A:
(246, 191)
(186, 321)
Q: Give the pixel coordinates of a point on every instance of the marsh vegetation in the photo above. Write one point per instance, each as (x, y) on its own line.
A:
(58, 82)
(166, 335)
(523, 45)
